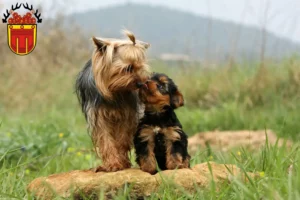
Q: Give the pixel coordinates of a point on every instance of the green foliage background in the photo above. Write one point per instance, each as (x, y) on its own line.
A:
(43, 132)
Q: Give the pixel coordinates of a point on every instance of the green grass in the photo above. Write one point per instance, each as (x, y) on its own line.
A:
(43, 132)
(35, 144)
(40, 148)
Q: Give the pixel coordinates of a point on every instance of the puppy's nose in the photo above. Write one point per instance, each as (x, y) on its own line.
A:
(145, 86)
(142, 85)
(139, 84)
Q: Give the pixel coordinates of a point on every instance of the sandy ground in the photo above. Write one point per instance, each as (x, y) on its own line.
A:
(226, 140)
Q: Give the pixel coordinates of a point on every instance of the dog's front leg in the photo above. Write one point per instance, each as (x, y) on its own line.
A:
(144, 147)
(176, 149)
(114, 154)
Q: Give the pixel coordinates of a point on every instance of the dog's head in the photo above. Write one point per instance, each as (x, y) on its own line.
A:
(119, 65)
(160, 92)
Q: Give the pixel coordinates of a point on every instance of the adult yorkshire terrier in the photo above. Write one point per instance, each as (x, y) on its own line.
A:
(107, 91)
(159, 136)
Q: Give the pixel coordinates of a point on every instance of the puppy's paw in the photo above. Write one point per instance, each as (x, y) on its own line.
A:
(150, 170)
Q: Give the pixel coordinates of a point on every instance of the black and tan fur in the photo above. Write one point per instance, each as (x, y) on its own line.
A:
(160, 138)
(107, 91)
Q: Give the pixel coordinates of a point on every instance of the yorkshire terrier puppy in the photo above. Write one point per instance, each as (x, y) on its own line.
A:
(107, 91)
(159, 136)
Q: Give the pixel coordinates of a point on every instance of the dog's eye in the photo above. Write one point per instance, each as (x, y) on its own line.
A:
(129, 68)
(159, 86)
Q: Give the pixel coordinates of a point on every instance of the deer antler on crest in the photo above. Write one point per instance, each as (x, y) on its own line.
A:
(35, 13)
(7, 14)
(27, 7)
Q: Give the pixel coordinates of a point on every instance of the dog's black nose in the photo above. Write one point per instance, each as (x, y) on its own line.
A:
(142, 85)
(139, 85)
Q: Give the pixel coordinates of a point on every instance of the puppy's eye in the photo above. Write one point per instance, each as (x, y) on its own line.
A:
(159, 86)
(129, 68)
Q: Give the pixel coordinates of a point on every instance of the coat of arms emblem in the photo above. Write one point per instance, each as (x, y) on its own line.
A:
(21, 30)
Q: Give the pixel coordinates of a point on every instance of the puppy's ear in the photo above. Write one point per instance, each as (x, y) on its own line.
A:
(100, 44)
(177, 99)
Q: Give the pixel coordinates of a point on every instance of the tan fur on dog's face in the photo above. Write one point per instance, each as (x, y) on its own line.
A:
(160, 91)
(154, 99)
(119, 65)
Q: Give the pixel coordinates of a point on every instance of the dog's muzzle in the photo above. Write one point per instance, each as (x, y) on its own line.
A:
(142, 85)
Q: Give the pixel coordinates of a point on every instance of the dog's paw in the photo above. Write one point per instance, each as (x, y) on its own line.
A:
(112, 168)
(99, 169)
(151, 171)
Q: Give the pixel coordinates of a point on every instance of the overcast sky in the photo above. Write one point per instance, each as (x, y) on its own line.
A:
(283, 16)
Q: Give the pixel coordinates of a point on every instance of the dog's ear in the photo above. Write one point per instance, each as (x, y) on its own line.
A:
(144, 44)
(100, 43)
(177, 99)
